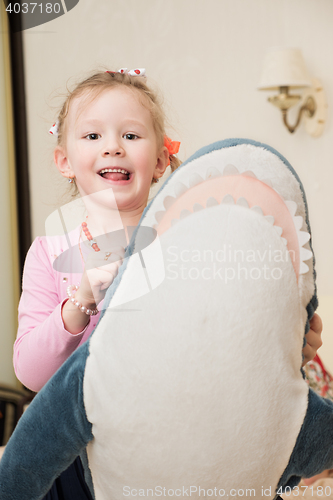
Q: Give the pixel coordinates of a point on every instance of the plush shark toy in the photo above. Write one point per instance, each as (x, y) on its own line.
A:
(191, 384)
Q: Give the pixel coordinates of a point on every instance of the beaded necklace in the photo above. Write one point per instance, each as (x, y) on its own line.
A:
(89, 237)
(92, 242)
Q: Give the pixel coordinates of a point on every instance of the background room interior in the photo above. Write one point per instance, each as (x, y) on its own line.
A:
(206, 57)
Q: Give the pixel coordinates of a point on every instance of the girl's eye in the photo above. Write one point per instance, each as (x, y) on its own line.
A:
(130, 137)
(93, 137)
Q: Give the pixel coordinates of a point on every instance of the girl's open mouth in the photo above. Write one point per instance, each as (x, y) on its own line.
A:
(115, 174)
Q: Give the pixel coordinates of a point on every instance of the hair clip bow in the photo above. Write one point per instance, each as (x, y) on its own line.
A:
(133, 72)
(54, 129)
(172, 146)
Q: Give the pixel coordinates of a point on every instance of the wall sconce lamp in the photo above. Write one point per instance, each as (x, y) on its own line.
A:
(284, 70)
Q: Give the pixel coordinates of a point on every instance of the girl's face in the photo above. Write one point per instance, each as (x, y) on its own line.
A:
(113, 132)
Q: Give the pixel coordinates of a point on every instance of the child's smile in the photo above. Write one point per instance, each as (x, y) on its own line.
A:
(115, 174)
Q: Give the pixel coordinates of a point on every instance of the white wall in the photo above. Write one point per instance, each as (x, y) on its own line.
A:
(206, 56)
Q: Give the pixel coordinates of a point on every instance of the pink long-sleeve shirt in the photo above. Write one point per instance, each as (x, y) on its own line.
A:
(43, 344)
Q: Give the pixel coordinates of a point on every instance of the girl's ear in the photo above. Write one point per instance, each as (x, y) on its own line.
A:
(162, 163)
(62, 163)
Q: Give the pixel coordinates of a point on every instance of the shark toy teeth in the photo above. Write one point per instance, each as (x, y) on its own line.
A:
(245, 190)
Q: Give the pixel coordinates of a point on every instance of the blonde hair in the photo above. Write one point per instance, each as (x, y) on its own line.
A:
(94, 85)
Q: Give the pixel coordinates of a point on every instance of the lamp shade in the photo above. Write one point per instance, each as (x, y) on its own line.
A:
(284, 67)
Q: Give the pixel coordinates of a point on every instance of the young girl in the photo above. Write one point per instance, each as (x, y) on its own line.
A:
(112, 145)
(110, 135)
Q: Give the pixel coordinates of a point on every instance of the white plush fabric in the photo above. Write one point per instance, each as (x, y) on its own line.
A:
(166, 405)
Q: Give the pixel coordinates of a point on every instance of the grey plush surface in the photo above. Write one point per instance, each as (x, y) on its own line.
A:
(49, 436)
(313, 451)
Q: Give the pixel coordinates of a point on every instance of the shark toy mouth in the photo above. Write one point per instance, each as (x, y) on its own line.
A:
(230, 187)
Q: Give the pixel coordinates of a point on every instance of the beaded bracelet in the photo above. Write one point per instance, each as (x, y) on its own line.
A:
(71, 290)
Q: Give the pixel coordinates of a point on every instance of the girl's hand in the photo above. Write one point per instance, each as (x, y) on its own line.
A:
(98, 275)
(313, 339)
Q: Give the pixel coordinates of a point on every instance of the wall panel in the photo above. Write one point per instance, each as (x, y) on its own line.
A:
(9, 261)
